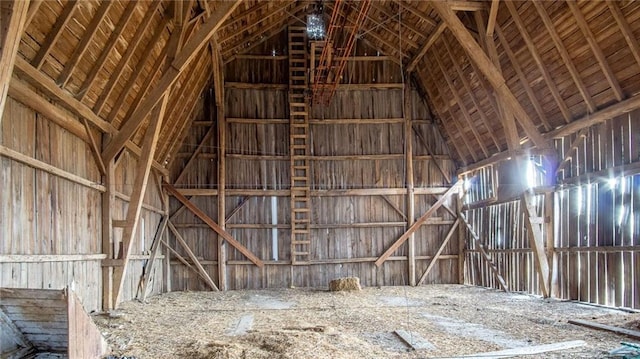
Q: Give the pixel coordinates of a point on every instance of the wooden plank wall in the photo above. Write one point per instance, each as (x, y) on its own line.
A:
(596, 216)
(348, 231)
(50, 227)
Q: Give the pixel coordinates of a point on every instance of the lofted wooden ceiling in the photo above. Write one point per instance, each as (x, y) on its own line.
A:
(111, 62)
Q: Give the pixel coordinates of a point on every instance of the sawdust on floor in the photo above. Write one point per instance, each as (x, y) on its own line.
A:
(306, 323)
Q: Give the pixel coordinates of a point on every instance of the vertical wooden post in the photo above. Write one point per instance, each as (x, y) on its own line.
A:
(167, 253)
(218, 79)
(550, 245)
(108, 201)
(408, 148)
(14, 16)
(461, 238)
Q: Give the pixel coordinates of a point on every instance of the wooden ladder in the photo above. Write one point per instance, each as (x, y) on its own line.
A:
(299, 146)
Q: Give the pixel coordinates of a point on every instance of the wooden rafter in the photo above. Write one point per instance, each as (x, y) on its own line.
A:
(444, 124)
(522, 77)
(489, 70)
(136, 71)
(597, 51)
(33, 9)
(626, 30)
(467, 89)
(14, 16)
(461, 105)
(193, 257)
(141, 31)
(54, 34)
(538, 60)
(413, 62)
(182, 60)
(420, 14)
(82, 47)
(568, 62)
(107, 49)
(143, 169)
(255, 24)
(213, 225)
(493, 15)
(418, 223)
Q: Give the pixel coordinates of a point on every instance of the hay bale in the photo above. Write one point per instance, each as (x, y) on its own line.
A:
(345, 284)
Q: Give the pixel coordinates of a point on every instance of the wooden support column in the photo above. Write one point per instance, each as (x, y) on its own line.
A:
(534, 225)
(218, 79)
(167, 255)
(148, 271)
(462, 239)
(549, 218)
(408, 150)
(13, 16)
(108, 205)
(149, 145)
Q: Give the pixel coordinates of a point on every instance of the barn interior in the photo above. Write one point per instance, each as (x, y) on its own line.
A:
(152, 148)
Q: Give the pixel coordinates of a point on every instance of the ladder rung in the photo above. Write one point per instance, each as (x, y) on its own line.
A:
(300, 253)
(301, 210)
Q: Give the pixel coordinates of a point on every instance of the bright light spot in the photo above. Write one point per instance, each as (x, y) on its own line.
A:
(613, 182)
(273, 52)
(531, 174)
(621, 212)
(315, 27)
(467, 184)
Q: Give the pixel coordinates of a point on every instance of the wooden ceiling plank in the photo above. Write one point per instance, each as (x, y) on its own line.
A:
(132, 46)
(419, 13)
(182, 60)
(253, 24)
(383, 24)
(597, 51)
(251, 9)
(442, 116)
(15, 15)
(137, 70)
(469, 90)
(34, 5)
(143, 169)
(625, 28)
(493, 15)
(106, 50)
(413, 62)
(522, 77)
(82, 47)
(541, 66)
(54, 34)
(568, 62)
(376, 6)
(464, 5)
(461, 105)
(489, 70)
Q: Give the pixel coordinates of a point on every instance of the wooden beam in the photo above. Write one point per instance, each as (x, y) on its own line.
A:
(597, 51)
(34, 163)
(538, 60)
(427, 45)
(411, 201)
(626, 30)
(95, 150)
(419, 222)
(419, 13)
(182, 60)
(566, 58)
(52, 90)
(132, 45)
(493, 15)
(465, 5)
(107, 49)
(82, 47)
(193, 257)
(54, 34)
(194, 155)
(536, 241)
(108, 207)
(436, 256)
(484, 253)
(213, 225)
(149, 146)
(490, 71)
(14, 16)
(623, 331)
(426, 145)
(34, 5)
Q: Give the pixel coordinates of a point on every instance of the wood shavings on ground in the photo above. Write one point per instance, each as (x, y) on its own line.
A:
(305, 323)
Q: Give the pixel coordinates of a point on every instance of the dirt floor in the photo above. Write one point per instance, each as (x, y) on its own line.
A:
(452, 320)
